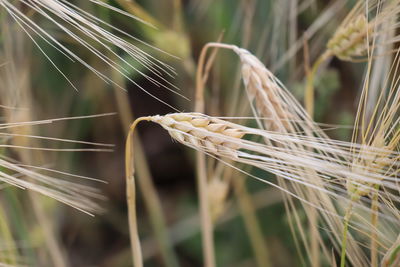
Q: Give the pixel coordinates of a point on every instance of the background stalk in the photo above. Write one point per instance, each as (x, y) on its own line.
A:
(309, 91)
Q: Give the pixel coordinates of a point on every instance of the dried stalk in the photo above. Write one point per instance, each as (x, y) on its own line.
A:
(151, 199)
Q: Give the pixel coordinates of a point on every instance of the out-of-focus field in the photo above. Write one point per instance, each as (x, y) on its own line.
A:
(285, 35)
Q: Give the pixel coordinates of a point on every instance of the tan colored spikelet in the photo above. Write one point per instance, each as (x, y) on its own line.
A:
(350, 40)
(262, 88)
(202, 132)
(217, 193)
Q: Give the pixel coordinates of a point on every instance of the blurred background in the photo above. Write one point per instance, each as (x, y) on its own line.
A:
(285, 35)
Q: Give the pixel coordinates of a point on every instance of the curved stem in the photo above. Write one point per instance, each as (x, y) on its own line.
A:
(131, 195)
(309, 91)
(145, 183)
(200, 78)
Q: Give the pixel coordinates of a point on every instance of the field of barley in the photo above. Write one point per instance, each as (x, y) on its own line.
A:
(186, 133)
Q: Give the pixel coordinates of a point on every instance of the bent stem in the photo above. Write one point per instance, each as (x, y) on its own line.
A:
(145, 183)
(131, 195)
(309, 91)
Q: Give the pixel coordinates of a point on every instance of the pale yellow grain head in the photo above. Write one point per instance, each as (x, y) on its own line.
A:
(350, 40)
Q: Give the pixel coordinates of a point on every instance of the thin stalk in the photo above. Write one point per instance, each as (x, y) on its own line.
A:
(374, 223)
(309, 91)
(206, 221)
(150, 197)
(131, 195)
